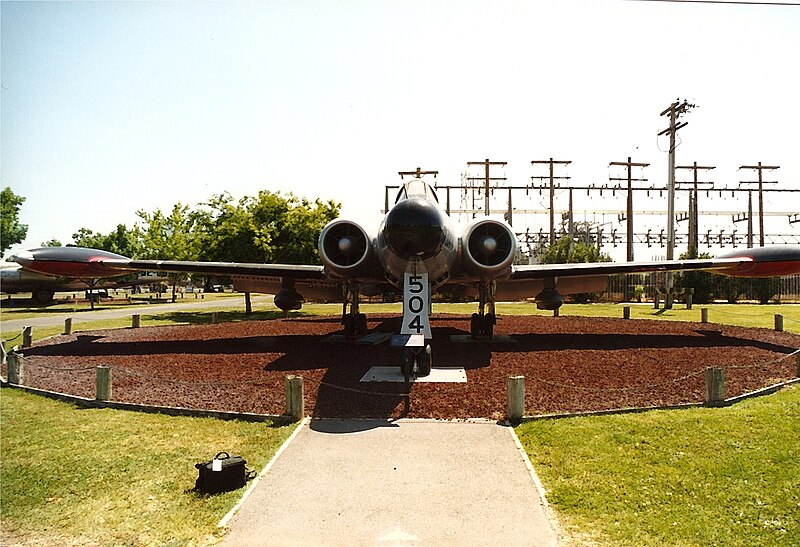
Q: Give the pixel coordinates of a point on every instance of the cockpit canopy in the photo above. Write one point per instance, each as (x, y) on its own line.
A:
(416, 188)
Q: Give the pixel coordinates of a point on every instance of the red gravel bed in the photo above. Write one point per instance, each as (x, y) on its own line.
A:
(571, 364)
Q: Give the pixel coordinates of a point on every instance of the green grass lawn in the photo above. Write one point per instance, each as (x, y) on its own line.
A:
(108, 477)
(22, 308)
(723, 476)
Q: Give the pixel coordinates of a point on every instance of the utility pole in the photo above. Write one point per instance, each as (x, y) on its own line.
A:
(552, 162)
(486, 178)
(760, 168)
(675, 111)
(629, 216)
(417, 173)
(694, 216)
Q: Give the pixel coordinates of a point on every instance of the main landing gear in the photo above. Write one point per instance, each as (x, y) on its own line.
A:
(483, 322)
(355, 323)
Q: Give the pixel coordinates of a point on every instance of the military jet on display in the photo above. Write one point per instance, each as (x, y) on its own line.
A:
(417, 248)
(15, 279)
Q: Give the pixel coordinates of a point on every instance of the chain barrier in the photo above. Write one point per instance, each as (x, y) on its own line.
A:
(724, 312)
(661, 384)
(362, 391)
(769, 363)
(58, 369)
(121, 371)
(12, 339)
(127, 372)
(644, 387)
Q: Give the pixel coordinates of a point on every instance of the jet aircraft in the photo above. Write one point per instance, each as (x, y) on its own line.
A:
(14, 279)
(417, 248)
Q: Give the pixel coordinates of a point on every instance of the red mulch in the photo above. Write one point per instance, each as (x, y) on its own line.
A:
(570, 364)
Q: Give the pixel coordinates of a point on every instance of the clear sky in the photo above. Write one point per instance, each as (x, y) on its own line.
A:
(109, 108)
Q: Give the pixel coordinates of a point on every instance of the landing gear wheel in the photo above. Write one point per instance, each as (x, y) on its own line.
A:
(475, 325)
(361, 324)
(489, 321)
(424, 362)
(406, 364)
(43, 296)
(349, 327)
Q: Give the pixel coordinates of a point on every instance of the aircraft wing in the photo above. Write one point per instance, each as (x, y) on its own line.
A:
(226, 269)
(771, 261)
(542, 271)
(84, 263)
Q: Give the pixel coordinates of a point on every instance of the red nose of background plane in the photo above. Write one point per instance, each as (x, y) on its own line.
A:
(75, 262)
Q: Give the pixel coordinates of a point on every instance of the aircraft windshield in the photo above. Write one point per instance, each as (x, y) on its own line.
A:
(416, 188)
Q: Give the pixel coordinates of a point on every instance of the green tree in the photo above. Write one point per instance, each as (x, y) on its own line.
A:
(170, 237)
(228, 232)
(122, 240)
(295, 225)
(267, 228)
(568, 251)
(52, 243)
(706, 285)
(11, 231)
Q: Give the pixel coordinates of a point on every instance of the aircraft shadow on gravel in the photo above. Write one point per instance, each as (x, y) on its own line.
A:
(531, 343)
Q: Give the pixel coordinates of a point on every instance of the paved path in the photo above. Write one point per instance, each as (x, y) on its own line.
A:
(373, 482)
(82, 316)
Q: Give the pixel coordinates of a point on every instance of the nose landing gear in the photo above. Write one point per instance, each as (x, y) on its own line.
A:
(415, 356)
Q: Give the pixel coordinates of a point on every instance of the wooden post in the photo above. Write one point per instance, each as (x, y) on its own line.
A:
(689, 298)
(656, 301)
(715, 386)
(779, 322)
(68, 326)
(16, 370)
(626, 312)
(27, 337)
(214, 317)
(295, 404)
(704, 315)
(798, 364)
(136, 321)
(516, 398)
(555, 312)
(103, 383)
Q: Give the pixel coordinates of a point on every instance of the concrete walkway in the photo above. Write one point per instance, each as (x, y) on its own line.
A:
(183, 304)
(375, 482)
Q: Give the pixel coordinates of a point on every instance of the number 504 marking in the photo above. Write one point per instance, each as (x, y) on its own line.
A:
(415, 305)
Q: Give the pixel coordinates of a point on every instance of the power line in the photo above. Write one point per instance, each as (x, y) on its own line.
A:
(732, 2)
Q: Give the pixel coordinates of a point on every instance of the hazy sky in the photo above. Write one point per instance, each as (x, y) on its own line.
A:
(108, 108)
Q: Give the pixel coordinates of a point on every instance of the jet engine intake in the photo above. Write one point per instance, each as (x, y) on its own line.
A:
(489, 247)
(344, 247)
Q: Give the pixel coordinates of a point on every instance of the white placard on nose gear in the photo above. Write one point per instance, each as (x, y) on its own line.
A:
(416, 304)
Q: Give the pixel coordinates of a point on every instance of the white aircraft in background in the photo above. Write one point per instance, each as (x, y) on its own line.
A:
(417, 248)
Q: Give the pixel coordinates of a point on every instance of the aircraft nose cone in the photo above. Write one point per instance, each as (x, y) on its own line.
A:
(23, 258)
(414, 229)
